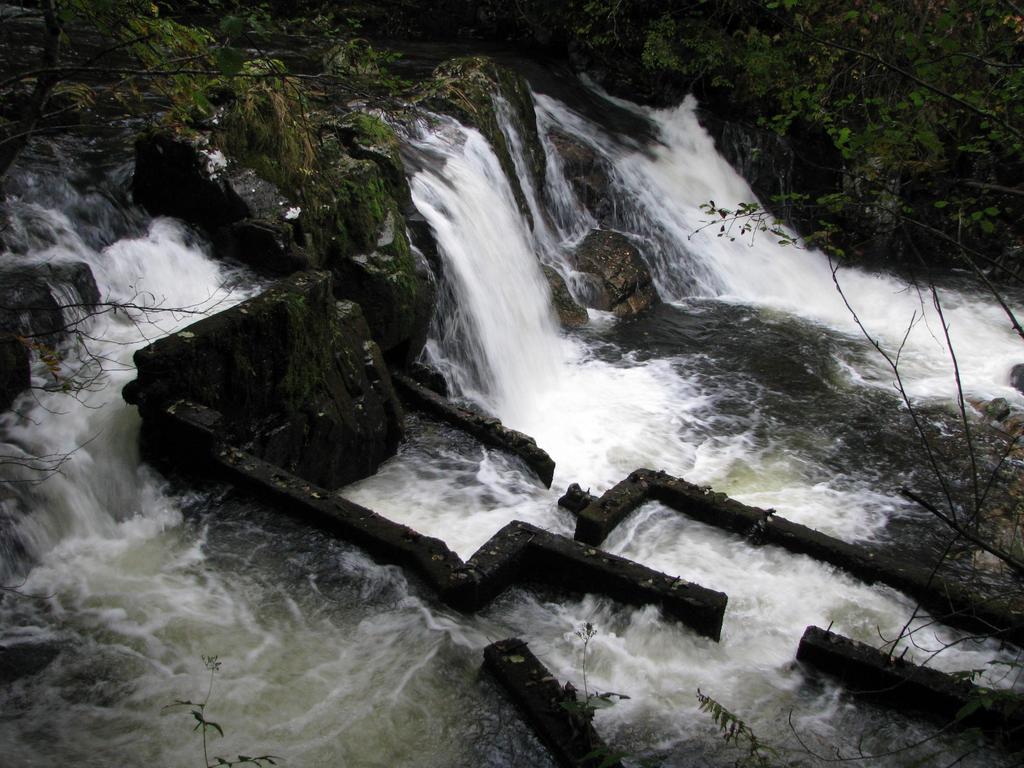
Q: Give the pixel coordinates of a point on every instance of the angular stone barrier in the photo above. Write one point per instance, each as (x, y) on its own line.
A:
(873, 675)
(487, 430)
(945, 599)
(569, 736)
(519, 553)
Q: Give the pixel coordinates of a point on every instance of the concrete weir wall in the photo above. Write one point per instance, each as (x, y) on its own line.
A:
(946, 599)
(519, 553)
(876, 676)
(487, 430)
(564, 730)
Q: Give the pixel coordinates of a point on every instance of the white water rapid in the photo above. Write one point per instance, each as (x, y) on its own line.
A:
(329, 659)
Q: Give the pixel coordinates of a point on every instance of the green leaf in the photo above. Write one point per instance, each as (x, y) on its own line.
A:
(968, 709)
(232, 26)
(202, 103)
(229, 60)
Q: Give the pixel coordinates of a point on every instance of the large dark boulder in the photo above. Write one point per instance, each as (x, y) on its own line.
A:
(249, 219)
(295, 375)
(15, 373)
(622, 283)
(24, 660)
(42, 300)
(186, 177)
(336, 203)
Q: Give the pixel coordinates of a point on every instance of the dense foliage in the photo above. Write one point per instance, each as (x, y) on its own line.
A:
(909, 115)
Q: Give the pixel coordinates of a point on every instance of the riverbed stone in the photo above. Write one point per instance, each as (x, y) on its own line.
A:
(294, 374)
(575, 499)
(587, 172)
(624, 286)
(570, 314)
(1017, 377)
(24, 660)
(43, 301)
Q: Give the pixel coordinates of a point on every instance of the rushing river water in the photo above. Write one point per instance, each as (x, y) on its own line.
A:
(751, 377)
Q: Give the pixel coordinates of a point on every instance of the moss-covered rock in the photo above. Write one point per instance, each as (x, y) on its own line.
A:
(466, 87)
(369, 137)
(284, 187)
(295, 375)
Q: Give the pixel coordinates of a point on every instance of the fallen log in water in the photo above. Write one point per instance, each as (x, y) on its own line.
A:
(486, 429)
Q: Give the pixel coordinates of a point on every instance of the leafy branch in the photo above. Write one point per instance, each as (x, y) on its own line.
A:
(735, 732)
(206, 727)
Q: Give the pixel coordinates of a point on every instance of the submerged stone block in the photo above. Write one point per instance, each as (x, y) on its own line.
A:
(564, 730)
(946, 599)
(486, 429)
(519, 553)
(876, 676)
(599, 517)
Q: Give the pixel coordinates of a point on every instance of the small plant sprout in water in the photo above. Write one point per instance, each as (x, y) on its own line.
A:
(205, 726)
(591, 702)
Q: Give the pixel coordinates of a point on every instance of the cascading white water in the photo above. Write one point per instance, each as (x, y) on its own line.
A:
(78, 412)
(601, 418)
(327, 658)
(661, 189)
(330, 659)
(471, 209)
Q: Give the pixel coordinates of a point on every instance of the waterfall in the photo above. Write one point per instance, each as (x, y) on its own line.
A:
(503, 348)
(659, 190)
(329, 658)
(71, 443)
